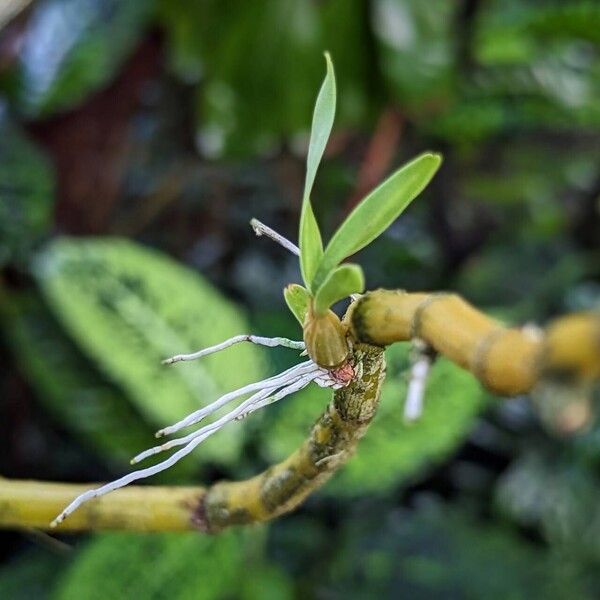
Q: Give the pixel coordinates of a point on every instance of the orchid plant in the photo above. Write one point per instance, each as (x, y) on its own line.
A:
(326, 279)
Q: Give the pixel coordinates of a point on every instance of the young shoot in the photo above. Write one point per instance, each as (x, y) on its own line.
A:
(326, 280)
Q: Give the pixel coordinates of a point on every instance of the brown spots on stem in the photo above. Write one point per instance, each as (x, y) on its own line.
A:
(332, 441)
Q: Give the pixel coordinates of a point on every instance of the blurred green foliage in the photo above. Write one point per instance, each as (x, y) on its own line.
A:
(26, 192)
(246, 111)
(115, 565)
(172, 123)
(437, 553)
(72, 48)
(68, 385)
(559, 495)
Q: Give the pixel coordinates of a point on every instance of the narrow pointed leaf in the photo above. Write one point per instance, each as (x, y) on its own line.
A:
(341, 282)
(311, 245)
(322, 123)
(297, 299)
(378, 211)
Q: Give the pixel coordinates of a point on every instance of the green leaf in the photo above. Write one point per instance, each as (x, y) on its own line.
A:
(391, 452)
(310, 242)
(341, 282)
(297, 299)
(321, 126)
(129, 307)
(378, 211)
(311, 245)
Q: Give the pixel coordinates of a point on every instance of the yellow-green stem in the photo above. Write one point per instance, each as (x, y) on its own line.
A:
(507, 361)
(331, 442)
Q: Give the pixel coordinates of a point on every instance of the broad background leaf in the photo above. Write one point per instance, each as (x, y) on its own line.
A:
(378, 211)
(128, 307)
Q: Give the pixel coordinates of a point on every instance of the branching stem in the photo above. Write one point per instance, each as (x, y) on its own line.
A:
(508, 361)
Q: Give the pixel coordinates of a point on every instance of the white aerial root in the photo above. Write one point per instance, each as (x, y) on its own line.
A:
(255, 339)
(417, 380)
(263, 393)
(288, 385)
(200, 414)
(262, 229)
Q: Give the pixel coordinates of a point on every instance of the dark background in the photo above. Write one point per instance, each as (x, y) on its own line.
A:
(169, 124)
